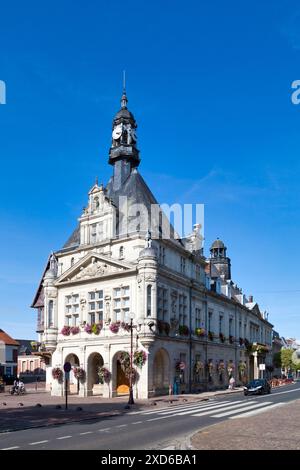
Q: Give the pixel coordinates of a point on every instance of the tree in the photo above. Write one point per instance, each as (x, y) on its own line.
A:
(277, 359)
(286, 359)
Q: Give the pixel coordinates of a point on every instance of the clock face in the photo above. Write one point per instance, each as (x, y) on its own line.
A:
(117, 132)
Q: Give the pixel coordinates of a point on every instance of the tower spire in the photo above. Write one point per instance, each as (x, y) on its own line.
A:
(124, 99)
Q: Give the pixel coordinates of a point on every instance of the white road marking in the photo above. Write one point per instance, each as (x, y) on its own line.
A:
(64, 437)
(84, 433)
(207, 408)
(38, 442)
(137, 422)
(187, 408)
(281, 393)
(104, 429)
(161, 417)
(170, 407)
(11, 448)
(121, 426)
(227, 413)
(256, 412)
(223, 408)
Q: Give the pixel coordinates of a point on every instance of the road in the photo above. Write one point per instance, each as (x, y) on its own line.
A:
(148, 429)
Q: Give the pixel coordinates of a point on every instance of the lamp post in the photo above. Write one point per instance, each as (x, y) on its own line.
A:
(131, 400)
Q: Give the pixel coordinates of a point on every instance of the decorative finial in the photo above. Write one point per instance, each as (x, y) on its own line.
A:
(124, 99)
(148, 239)
(124, 82)
(96, 181)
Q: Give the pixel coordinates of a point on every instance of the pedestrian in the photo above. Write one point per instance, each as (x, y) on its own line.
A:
(231, 383)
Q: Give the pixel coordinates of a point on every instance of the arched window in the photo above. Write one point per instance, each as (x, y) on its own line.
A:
(72, 261)
(121, 252)
(50, 313)
(149, 291)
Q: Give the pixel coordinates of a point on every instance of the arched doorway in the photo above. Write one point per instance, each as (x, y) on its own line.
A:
(95, 361)
(73, 382)
(121, 361)
(161, 372)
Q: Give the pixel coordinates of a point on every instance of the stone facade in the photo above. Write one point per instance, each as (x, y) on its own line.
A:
(192, 327)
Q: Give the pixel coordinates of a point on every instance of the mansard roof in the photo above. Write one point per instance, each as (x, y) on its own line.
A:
(137, 192)
(73, 240)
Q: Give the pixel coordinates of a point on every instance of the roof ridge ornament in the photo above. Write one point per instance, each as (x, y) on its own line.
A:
(124, 99)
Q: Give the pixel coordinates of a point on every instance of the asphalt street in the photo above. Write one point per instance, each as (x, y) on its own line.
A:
(151, 428)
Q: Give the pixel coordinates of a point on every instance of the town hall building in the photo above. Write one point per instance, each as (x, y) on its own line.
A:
(128, 306)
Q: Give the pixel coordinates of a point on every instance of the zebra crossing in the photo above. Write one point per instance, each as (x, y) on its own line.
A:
(212, 409)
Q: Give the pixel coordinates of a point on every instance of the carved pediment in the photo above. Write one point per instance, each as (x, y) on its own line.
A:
(96, 269)
(93, 266)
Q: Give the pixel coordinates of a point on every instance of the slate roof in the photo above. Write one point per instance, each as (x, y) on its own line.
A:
(25, 346)
(137, 192)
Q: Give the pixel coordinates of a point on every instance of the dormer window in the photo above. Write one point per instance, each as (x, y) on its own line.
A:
(96, 203)
(93, 233)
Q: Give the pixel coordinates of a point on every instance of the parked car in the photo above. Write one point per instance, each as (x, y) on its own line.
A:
(257, 387)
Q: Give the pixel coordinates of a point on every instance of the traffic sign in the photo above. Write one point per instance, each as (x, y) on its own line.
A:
(262, 366)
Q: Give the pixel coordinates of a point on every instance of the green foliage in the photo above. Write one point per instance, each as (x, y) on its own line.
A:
(286, 358)
(277, 359)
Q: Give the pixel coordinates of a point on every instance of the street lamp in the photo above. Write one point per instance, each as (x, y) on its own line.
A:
(131, 400)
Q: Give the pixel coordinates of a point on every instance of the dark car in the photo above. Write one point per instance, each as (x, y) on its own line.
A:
(257, 387)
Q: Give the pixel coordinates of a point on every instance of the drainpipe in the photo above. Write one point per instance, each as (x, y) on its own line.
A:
(190, 338)
(235, 345)
(206, 346)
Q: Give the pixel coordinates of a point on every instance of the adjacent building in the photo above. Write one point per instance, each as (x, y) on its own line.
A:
(31, 366)
(125, 272)
(8, 356)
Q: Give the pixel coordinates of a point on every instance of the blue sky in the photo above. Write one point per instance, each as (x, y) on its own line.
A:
(210, 87)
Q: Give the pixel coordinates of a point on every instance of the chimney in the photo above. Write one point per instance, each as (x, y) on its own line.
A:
(250, 298)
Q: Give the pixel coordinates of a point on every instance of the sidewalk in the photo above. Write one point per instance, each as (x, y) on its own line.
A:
(271, 430)
(39, 409)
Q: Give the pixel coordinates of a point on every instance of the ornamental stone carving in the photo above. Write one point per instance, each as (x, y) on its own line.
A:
(96, 269)
(150, 278)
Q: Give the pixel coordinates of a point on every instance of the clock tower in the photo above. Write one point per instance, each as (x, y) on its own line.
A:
(123, 153)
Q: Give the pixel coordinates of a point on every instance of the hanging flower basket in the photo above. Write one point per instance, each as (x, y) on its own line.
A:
(210, 367)
(79, 373)
(95, 328)
(180, 366)
(200, 332)
(222, 337)
(184, 330)
(104, 375)
(124, 360)
(230, 367)
(139, 358)
(125, 326)
(66, 330)
(75, 330)
(57, 374)
(163, 327)
(134, 375)
(242, 368)
(114, 327)
(198, 367)
(221, 366)
(210, 335)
